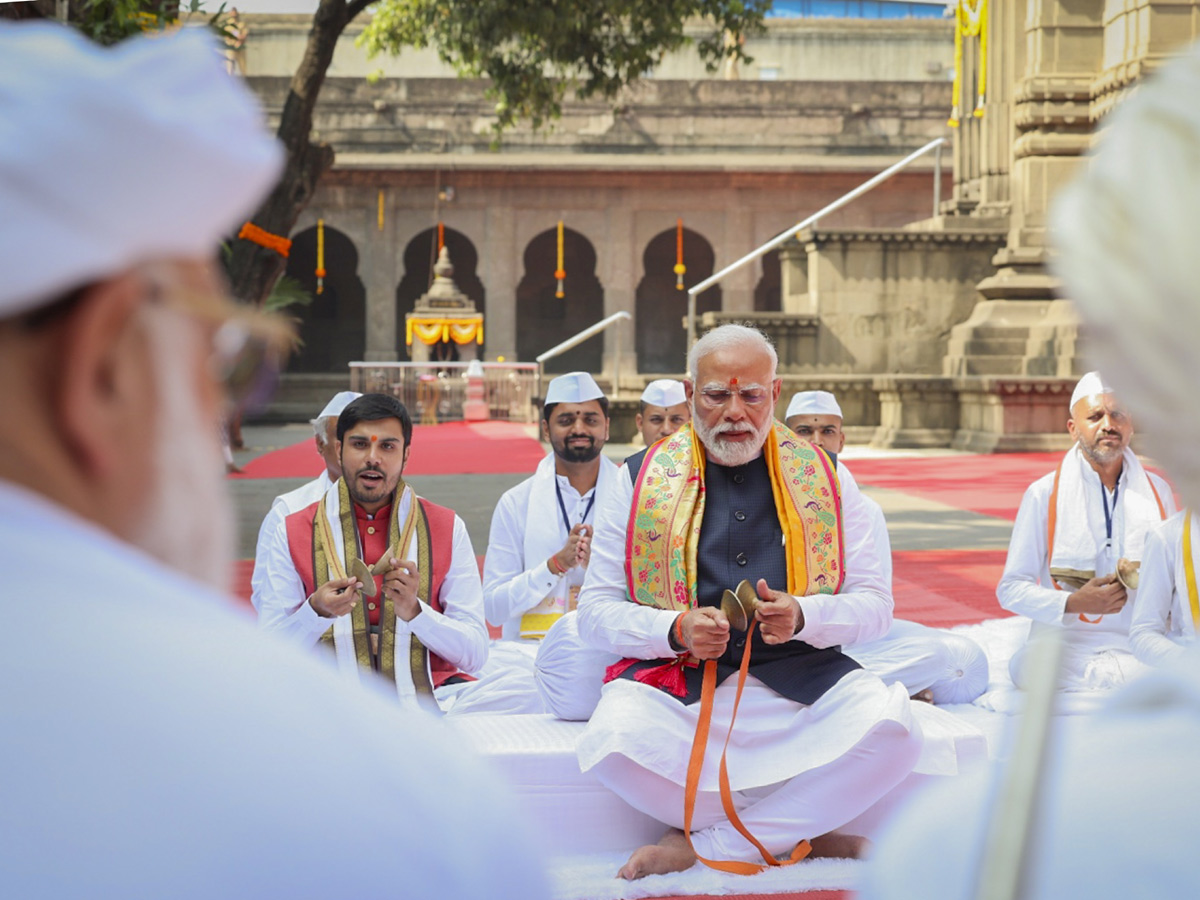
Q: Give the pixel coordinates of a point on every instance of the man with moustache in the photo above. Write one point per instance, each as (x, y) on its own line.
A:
(325, 436)
(817, 740)
(539, 546)
(422, 626)
(1092, 512)
(662, 412)
(155, 743)
(932, 664)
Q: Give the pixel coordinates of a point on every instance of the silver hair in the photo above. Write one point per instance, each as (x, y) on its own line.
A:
(320, 428)
(727, 337)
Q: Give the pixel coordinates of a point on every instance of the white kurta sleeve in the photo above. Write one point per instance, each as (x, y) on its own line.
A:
(862, 609)
(1155, 598)
(1025, 587)
(283, 605)
(509, 588)
(608, 619)
(458, 634)
(258, 578)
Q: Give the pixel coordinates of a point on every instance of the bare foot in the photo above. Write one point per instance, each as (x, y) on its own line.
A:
(671, 854)
(925, 696)
(839, 846)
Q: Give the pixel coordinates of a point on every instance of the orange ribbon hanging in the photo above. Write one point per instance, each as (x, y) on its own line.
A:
(696, 764)
(255, 235)
(441, 236)
(680, 268)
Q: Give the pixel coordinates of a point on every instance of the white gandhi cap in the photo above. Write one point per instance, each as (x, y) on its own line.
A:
(664, 392)
(1090, 384)
(574, 387)
(340, 401)
(116, 156)
(813, 403)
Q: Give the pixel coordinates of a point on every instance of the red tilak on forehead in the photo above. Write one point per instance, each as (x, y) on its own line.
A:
(733, 381)
(374, 438)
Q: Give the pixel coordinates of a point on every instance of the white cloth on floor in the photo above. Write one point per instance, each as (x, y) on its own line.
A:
(1132, 762)
(1099, 654)
(173, 750)
(1162, 623)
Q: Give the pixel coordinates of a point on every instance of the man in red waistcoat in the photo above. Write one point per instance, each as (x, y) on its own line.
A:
(383, 577)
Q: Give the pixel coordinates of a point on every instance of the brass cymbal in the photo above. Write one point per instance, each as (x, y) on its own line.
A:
(1128, 572)
(739, 605)
(360, 570)
(1072, 578)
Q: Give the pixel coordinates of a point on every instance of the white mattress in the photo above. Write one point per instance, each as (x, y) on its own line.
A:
(535, 755)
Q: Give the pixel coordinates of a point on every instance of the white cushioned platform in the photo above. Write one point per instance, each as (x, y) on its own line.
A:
(535, 756)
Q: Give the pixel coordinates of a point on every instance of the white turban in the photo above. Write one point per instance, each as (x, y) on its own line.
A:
(340, 401)
(1128, 229)
(664, 392)
(574, 387)
(1088, 386)
(813, 403)
(114, 156)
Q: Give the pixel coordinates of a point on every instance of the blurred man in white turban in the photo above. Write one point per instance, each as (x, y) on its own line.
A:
(325, 436)
(1077, 540)
(662, 411)
(156, 744)
(932, 664)
(1117, 813)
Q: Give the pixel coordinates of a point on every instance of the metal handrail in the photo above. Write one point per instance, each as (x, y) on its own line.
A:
(824, 211)
(582, 336)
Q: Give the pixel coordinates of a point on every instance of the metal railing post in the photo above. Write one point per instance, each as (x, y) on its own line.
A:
(770, 245)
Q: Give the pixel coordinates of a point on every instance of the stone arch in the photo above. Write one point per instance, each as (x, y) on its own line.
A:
(543, 319)
(419, 256)
(333, 328)
(768, 293)
(661, 308)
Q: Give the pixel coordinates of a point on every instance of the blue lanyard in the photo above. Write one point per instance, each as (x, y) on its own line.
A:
(562, 507)
(1108, 516)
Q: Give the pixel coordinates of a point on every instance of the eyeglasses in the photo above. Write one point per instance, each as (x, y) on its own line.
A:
(247, 347)
(715, 398)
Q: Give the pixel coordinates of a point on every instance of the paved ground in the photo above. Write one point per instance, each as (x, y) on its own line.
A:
(914, 523)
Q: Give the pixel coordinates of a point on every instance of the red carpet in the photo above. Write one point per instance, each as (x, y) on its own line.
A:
(455, 448)
(990, 484)
(943, 588)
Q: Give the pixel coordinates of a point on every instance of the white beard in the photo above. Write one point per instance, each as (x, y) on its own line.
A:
(730, 453)
(188, 522)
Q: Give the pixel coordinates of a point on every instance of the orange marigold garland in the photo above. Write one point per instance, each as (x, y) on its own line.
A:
(680, 268)
(560, 273)
(320, 273)
(255, 235)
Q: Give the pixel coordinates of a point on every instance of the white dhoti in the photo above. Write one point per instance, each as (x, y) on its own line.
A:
(796, 771)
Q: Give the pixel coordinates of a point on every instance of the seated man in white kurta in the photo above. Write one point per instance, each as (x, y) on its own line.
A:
(325, 436)
(734, 496)
(1079, 521)
(1167, 607)
(932, 664)
(662, 411)
(422, 628)
(539, 546)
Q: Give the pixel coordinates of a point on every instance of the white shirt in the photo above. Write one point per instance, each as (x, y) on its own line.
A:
(861, 611)
(457, 634)
(155, 744)
(511, 585)
(1162, 617)
(880, 540)
(1025, 587)
(282, 507)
